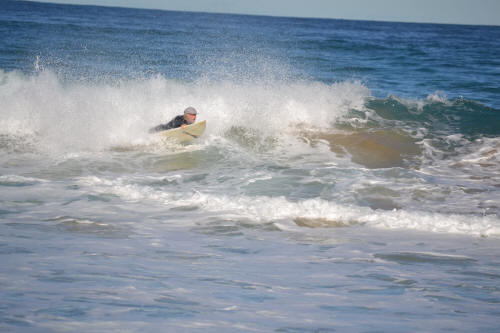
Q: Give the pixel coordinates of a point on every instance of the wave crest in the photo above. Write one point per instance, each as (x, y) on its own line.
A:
(94, 116)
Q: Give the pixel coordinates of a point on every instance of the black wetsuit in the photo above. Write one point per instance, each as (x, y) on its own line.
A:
(174, 123)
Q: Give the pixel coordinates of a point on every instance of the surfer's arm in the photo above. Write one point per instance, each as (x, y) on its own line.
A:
(159, 128)
(174, 123)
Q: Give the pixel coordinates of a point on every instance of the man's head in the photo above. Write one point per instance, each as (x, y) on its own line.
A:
(190, 115)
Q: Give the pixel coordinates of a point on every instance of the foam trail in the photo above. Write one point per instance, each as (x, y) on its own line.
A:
(322, 213)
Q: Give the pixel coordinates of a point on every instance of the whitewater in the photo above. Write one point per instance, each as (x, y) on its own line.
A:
(348, 179)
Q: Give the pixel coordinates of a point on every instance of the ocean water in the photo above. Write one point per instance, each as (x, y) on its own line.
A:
(348, 179)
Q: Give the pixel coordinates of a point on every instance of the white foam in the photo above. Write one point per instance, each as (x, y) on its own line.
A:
(264, 209)
(478, 160)
(437, 96)
(19, 180)
(484, 151)
(83, 116)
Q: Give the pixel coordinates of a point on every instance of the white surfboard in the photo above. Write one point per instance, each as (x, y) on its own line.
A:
(186, 134)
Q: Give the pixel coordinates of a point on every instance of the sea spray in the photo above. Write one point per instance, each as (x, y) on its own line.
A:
(94, 116)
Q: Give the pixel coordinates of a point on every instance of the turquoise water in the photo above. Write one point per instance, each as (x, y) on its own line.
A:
(348, 179)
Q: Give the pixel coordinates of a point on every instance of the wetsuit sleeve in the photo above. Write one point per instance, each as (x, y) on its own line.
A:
(174, 123)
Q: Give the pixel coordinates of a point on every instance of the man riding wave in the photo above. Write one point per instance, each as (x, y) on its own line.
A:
(188, 118)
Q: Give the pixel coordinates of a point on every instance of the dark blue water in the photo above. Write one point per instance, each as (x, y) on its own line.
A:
(407, 60)
(348, 179)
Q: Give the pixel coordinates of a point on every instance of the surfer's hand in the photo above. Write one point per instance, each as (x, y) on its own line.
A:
(183, 125)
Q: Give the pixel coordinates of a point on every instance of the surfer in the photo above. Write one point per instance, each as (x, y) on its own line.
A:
(188, 118)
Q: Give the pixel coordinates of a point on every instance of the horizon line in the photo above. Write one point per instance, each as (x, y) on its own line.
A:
(262, 15)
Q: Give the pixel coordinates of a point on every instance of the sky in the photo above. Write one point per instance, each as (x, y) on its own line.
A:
(483, 12)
